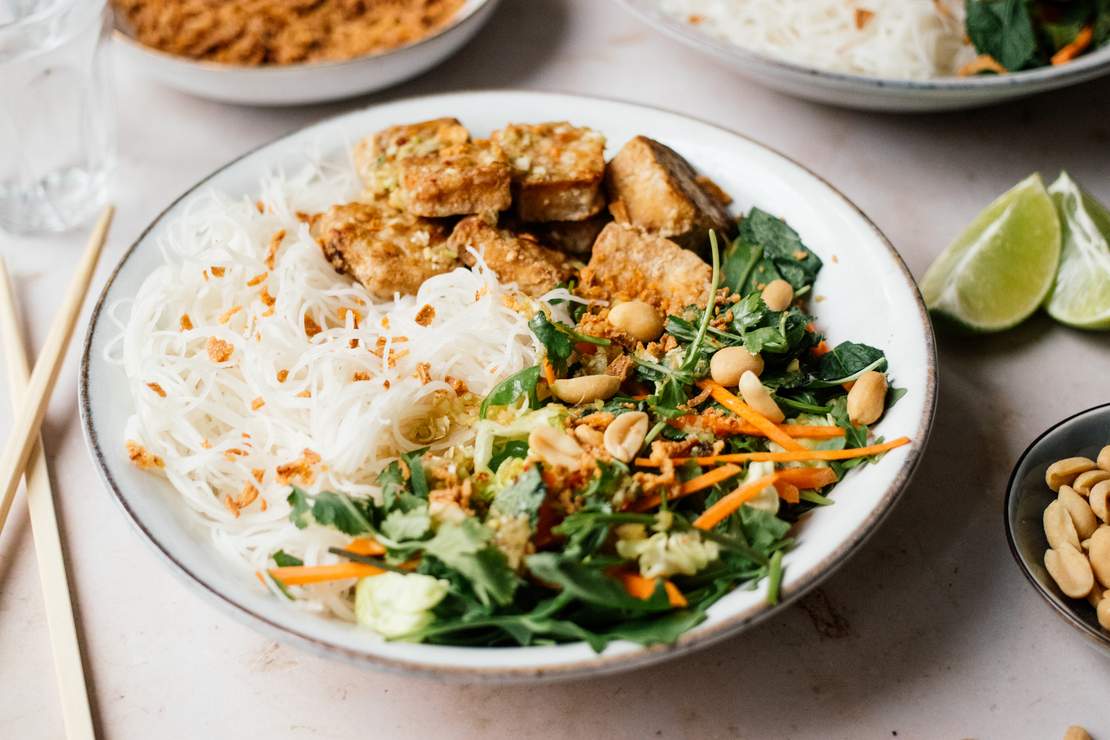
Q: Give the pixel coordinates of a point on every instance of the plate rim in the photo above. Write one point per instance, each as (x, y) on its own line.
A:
(1075, 71)
(597, 664)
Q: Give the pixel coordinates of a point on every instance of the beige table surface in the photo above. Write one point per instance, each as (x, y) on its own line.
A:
(929, 632)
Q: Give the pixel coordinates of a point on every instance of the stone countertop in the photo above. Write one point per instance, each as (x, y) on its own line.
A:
(929, 632)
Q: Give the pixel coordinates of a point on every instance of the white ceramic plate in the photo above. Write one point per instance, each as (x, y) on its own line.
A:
(868, 295)
(873, 93)
(300, 84)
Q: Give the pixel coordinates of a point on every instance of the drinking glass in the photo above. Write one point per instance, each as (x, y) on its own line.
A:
(57, 133)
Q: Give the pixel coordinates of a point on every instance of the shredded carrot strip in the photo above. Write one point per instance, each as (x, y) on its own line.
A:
(703, 481)
(808, 477)
(299, 575)
(788, 492)
(748, 414)
(1075, 48)
(548, 372)
(366, 546)
(800, 456)
(721, 510)
(821, 349)
(642, 588)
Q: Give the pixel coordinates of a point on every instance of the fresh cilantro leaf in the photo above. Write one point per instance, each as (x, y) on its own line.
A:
(392, 481)
(510, 390)
(557, 346)
(285, 560)
(339, 511)
(417, 480)
(522, 496)
(301, 508)
(465, 548)
(401, 525)
(762, 529)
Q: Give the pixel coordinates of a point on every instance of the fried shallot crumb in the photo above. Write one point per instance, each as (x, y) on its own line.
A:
(143, 458)
(425, 315)
(219, 350)
(300, 469)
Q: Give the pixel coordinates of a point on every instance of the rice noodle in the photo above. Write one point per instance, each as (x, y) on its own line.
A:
(218, 423)
(901, 39)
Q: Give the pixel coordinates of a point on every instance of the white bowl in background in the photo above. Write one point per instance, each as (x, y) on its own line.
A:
(316, 82)
(873, 93)
(868, 296)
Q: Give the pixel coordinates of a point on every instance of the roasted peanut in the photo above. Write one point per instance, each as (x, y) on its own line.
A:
(588, 436)
(759, 398)
(1096, 594)
(1103, 612)
(555, 448)
(1079, 510)
(1099, 553)
(778, 295)
(1058, 527)
(729, 363)
(1104, 458)
(638, 319)
(1075, 732)
(585, 388)
(1065, 471)
(625, 435)
(867, 399)
(1070, 570)
(1098, 500)
(1084, 482)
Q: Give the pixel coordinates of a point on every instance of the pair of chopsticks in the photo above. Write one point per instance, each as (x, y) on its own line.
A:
(24, 455)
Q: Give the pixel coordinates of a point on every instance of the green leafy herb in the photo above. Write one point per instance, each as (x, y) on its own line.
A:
(590, 584)
(285, 560)
(766, 249)
(407, 525)
(522, 496)
(513, 388)
(1003, 29)
(465, 547)
(513, 448)
(847, 362)
(338, 510)
(417, 480)
(301, 508)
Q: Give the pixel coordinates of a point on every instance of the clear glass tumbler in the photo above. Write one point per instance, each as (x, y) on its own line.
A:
(57, 131)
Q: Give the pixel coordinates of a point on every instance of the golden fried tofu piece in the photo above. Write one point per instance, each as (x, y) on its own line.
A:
(651, 186)
(512, 257)
(557, 170)
(377, 157)
(387, 250)
(573, 237)
(629, 264)
(456, 181)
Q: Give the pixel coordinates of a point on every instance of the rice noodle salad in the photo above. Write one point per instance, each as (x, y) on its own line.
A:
(495, 392)
(905, 39)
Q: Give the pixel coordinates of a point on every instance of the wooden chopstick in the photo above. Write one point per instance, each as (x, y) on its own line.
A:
(48, 547)
(28, 419)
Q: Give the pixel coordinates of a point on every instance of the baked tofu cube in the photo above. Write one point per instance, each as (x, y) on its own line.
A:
(512, 257)
(629, 264)
(651, 186)
(557, 170)
(456, 181)
(573, 237)
(377, 157)
(386, 250)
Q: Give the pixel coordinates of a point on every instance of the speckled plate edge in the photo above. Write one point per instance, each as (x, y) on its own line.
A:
(1098, 637)
(699, 637)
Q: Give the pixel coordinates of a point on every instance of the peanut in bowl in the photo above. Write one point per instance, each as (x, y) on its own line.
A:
(1059, 578)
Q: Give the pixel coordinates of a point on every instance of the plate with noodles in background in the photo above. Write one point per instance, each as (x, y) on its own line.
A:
(439, 386)
(263, 52)
(895, 55)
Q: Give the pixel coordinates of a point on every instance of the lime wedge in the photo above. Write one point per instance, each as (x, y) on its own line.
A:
(1081, 295)
(1001, 268)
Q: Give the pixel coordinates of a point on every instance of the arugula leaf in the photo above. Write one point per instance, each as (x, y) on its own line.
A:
(465, 547)
(522, 496)
(407, 525)
(767, 249)
(847, 362)
(512, 389)
(301, 508)
(590, 584)
(338, 510)
(285, 560)
(417, 479)
(1003, 29)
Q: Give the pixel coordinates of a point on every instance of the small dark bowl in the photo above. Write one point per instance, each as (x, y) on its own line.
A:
(1027, 495)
